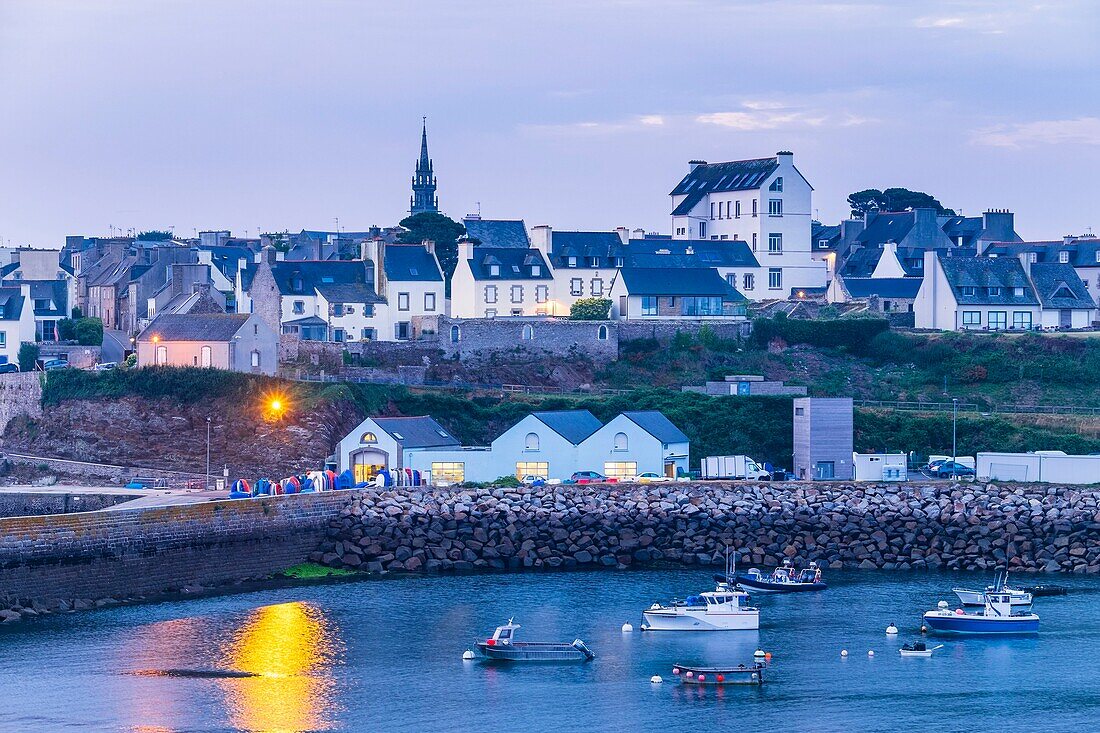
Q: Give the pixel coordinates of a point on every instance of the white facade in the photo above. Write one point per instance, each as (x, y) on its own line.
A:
(502, 294)
(19, 327)
(1044, 466)
(880, 467)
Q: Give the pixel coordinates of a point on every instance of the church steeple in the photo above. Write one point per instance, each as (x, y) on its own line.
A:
(423, 197)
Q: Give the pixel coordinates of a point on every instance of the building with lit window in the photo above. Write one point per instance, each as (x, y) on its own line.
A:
(234, 341)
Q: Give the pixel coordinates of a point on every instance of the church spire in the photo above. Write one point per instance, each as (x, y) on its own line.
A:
(423, 198)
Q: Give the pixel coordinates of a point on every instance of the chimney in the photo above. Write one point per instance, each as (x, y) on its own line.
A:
(784, 157)
(368, 249)
(429, 246)
(851, 228)
(542, 238)
(638, 234)
(998, 225)
(269, 255)
(380, 268)
(1025, 260)
(624, 234)
(693, 164)
(465, 249)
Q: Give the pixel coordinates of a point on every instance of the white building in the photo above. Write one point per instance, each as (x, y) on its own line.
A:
(766, 203)
(1046, 466)
(684, 293)
(1000, 293)
(500, 281)
(546, 444)
(880, 467)
(16, 321)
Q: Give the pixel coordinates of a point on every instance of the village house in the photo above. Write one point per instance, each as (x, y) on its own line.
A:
(16, 321)
(683, 293)
(231, 341)
(500, 281)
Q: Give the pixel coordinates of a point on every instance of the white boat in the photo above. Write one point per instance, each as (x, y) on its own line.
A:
(996, 617)
(1017, 596)
(717, 610)
(918, 649)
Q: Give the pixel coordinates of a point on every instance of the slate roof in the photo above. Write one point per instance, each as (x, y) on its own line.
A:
(657, 425)
(683, 281)
(689, 253)
(861, 262)
(1059, 286)
(967, 227)
(982, 273)
(194, 326)
(1082, 252)
(604, 246)
(410, 263)
(498, 232)
(734, 175)
(349, 293)
(11, 304)
(887, 227)
(883, 287)
(417, 432)
(830, 233)
(515, 264)
(54, 290)
(573, 425)
(316, 272)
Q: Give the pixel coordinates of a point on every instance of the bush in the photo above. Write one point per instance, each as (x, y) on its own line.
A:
(66, 330)
(28, 355)
(590, 309)
(89, 332)
(853, 335)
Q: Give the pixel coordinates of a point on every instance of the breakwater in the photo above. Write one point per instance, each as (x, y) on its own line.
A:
(967, 526)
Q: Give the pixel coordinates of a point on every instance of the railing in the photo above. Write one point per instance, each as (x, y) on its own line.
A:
(505, 388)
(975, 408)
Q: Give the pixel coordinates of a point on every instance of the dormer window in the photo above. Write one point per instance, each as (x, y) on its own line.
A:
(1063, 257)
(777, 185)
(593, 261)
(536, 271)
(494, 270)
(967, 289)
(570, 261)
(993, 291)
(1018, 292)
(296, 283)
(619, 260)
(1033, 257)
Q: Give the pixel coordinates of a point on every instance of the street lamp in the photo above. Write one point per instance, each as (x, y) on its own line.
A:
(954, 432)
(207, 486)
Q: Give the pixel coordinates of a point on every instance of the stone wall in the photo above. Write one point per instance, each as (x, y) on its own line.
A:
(24, 504)
(105, 472)
(79, 357)
(20, 394)
(482, 337)
(58, 559)
(1023, 527)
(667, 330)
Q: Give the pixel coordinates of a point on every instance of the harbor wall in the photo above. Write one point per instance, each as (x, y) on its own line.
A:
(971, 526)
(66, 561)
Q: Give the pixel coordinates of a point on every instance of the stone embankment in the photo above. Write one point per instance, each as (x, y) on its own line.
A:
(967, 526)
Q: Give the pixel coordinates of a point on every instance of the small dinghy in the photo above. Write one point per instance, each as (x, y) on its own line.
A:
(917, 649)
(752, 674)
(785, 579)
(1038, 591)
(502, 647)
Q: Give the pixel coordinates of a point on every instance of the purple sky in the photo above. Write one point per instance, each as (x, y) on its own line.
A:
(573, 113)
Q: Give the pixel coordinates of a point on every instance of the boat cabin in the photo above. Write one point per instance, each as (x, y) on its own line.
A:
(503, 634)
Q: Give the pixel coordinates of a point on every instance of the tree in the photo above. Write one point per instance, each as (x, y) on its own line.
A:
(89, 332)
(442, 230)
(894, 199)
(77, 313)
(154, 235)
(28, 355)
(66, 330)
(590, 309)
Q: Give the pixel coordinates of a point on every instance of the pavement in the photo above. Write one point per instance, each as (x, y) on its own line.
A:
(143, 498)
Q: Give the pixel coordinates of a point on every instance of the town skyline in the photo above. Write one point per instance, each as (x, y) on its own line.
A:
(300, 130)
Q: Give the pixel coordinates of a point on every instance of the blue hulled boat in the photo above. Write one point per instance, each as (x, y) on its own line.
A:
(996, 617)
(785, 579)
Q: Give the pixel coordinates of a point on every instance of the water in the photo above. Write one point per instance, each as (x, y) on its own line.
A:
(386, 656)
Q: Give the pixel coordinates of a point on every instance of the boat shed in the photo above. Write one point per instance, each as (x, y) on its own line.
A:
(1040, 466)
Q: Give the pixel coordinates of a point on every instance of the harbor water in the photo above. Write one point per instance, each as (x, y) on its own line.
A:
(386, 655)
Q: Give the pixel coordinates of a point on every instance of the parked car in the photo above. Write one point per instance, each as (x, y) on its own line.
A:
(533, 481)
(588, 477)
(649, 477)
(949, 469)
(54, 364)
(9, 368)
(106, 366)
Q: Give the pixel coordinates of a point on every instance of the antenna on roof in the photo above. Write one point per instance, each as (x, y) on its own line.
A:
(478, 208)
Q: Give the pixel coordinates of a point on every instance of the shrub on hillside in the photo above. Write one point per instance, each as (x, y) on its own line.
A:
(853, 335)
(590, 309)
(28, 355)
(89, 332)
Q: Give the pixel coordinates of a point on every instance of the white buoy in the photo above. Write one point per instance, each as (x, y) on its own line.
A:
(843, 652)
(656, 679)
(627, 628)
(871, 653)
(759, 653)
(467, 655)
(892, 630)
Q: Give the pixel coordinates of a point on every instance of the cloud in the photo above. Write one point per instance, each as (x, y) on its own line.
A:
(591, 127)
(651, 120)
(758, 115)
(932, 22)
(1078, 131)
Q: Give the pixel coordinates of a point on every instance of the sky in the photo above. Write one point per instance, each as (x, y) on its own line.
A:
(580, 114)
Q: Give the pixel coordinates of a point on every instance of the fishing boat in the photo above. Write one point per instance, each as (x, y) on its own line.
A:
(1018, 596)
(718, 610)
(995, 617)
(917, 649)
(502, 647)
(752, 674)
(784, 579)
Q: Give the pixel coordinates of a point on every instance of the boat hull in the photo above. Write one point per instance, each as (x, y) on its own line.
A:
(676, 619)
(535, 652)
(939, 623)
(720, 676)
(751, 585)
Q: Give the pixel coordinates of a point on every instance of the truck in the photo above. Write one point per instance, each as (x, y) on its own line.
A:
(733, 467)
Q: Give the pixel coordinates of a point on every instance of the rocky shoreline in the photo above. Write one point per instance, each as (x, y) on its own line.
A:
(1026, 528)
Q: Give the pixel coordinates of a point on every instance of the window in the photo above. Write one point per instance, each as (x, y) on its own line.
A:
(516, 312)
(775, 278)
(338, 335)
(619, 260)
(494, 270)
(972, 318)
(401, 330)
(1033, 257)
(536, 271)
(998, 320)
(775, 244)
(712, 210)
(337, 309)
(490, 293)
(3, 338)
(775, 207)
(402, 301)
(620, 469)
(528, 333)
(350, 310)
(968, 290)
(490, 312)
(597, 286)
(702, 230)
(649, 305)
(754, 208)
(621, 442)
(1098, 255)
(41, 304)
(517, 293)
(800, 410)
(205, 356)
(446, 472)
(456, 334)
(1063, 257)
(754, 241)
(429, 301)
(531, 442)
(542, 293)
(367, 334)
(299, 307)
(571, 262)
(532, 468)
(601, 333)
(368, 310)
(255, 359)
(701, 305)
(576, 286)
(368, 437)
(777, 185)
(993, 291)
(737, 210)
(162, 355)
(1021, 320)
